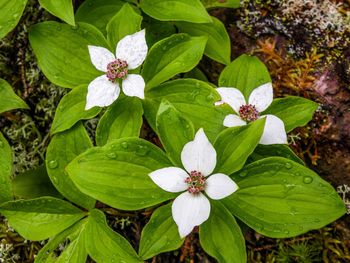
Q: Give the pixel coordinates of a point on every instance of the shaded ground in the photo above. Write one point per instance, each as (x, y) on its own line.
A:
(307, 52)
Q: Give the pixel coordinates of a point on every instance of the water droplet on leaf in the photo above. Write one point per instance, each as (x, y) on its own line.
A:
(307, 180)
(111, 155)
(53, 164)
(142, 150)
(125, 145)
(288, 165)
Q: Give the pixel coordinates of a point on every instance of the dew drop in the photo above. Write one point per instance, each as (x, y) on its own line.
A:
(1, 144)
(59, 28)
(301, 228)
(142, 150)
(288, 165)
(75, 28)
(111, 155)
(243, 174)
(307, 179)
(125, 145)
(53, 164)
(286, 231)
(293, 211)
(210, 97)
(54, 180)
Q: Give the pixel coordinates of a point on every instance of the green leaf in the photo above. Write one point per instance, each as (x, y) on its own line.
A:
(117, 174)
(98, 12)
(280, 150)
(125, 22)
(293, 111)
(11, 12)
(221, 3)
(280, 198)
(34, 183)
(105, 245)
(63, 9)
(168, 57)
(9, 99)
(196, 73)
(122, 119)
(74, 251)
(245, 73)
(221, 237)
(41, 218)
(173, 130)
(194, 99)
(5, 170)
(176, 10)
(157, 30)
(219, 44)
(160, 234)
(235, 144)
(63, 148)
(71, 109)
(62, 52)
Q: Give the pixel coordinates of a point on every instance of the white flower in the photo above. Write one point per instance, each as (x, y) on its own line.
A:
(131, 51)
(259, 100)
(192, 208)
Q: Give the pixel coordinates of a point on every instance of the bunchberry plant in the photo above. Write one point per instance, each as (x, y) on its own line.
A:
(222, 151)
(131, 51)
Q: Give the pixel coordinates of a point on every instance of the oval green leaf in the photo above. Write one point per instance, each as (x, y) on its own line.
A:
(63, 9)
(221, 3)
(5, 170)
(71, 109)
(122, 119)
(235, 144)
(74, 251)
(218, 46)
(98, 12)
(62, 52)
(293, 111)
(160, 234)
(63, 148)
(11, 12)
(9, 99)
(105, 245)
(173, 130)
(194, 99)
(125, 22)
(41, 218)
(279, 150)
(34, 183)
(245, 73)
(280, 198)
(168, 57)
(176, 10)
(117, 174)
(221, 237)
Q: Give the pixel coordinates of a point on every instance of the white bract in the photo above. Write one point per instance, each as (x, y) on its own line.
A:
(131, 51)
(259, 100)
(192, 208)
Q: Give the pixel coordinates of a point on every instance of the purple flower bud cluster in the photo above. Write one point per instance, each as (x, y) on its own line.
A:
(195, 182)
(117, 69)
(248, 113)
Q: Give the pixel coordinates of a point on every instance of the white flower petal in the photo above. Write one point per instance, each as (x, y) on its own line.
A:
(199, 155)
(274, 131)
(262, 97)
(233, 120)
(171, 179)
(134, 86)
(133, 49)
(101, 92)
(189, 211)
(100, 57)
(232, 97)
(219, 186)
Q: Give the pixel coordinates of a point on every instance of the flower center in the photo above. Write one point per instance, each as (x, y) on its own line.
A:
(117, 69)
(195, 182)
(248, 113)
